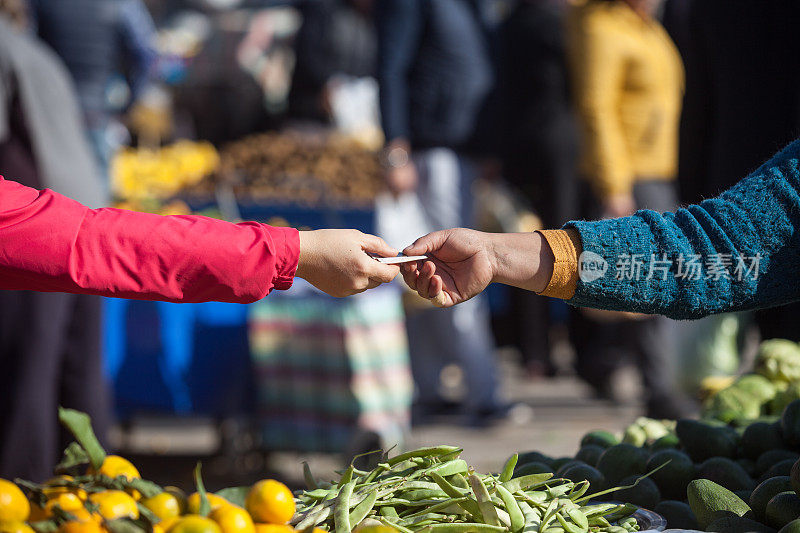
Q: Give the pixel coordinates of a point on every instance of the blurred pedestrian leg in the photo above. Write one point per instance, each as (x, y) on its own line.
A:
(57, 361)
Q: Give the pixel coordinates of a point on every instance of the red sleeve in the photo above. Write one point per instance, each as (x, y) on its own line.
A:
(50, 243)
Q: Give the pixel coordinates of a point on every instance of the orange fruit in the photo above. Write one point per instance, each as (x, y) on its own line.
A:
(179, 495)
(14, 506)
(194, 524)
(270, 502)
(232, 519)
(80, 526)
(37, 513)
(67, 501)
(279, 528)
(54, 486)
(15, 527)
(114, 466)
(193, 502)
(164, 505)
(115, 504)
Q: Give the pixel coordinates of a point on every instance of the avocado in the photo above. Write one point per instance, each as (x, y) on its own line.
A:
(784, 398)
(590, 454)
(703, 441)
(791, 527)
(790, 424)
(782, 468)
(583, 472)
(765, 491)
(767, 459)
(782, 509)
(727, 473)
(604, 439)
(621, 461)
(645, 494)
(677, 514)
(532, 468)
(794, 477)
(556, 464)
(666, 442)
(533, 457)
(565, 466)
(761, 437)
(673, 477)
(748, 465)
(738, 524)
(706, 498)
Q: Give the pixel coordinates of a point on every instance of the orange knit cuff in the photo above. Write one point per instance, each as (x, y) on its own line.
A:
(566, 246)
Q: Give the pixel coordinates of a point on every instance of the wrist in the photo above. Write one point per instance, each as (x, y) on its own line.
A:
(522, 260)
(306, 253)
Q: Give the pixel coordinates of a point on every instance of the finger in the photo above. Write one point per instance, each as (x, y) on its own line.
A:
(424, 279)
(436, 287)
(376, 245)
(411, 279)
(427, 244)
(441, 300)
(380, 272)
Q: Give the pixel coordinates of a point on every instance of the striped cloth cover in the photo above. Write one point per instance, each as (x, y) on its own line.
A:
(327, 368)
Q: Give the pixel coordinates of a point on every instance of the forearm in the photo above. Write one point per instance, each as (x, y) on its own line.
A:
(51, 243)
(735, 252)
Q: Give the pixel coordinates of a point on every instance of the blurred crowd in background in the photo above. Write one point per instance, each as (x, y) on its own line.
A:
(504, 115)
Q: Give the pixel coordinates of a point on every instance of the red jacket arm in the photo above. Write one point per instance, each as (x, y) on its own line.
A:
(51, 243)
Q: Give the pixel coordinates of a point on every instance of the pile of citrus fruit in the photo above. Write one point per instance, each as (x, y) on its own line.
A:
(98, 493)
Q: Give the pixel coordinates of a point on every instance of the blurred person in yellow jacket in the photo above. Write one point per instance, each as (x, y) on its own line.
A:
(628, 82)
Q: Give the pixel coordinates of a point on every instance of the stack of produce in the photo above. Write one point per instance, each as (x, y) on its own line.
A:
(98, 493)
(434, 491)
(708, 470)
(774, 383)
(311, 171)
(144, 174)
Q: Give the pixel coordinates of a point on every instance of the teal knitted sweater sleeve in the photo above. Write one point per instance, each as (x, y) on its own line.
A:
(738, 251)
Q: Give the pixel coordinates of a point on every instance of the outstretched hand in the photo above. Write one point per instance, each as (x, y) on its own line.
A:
(461, 266)
(336, 261)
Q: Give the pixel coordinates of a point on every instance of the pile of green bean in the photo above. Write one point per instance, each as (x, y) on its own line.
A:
(432, 490)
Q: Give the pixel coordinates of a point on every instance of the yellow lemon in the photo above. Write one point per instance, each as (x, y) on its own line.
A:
(279, 528)
(55, 486)
(179, 495)
(232, 519)
(271, 502)
(193, 502)
(115, 504)
(66, 501)
(15, 527)
(114, 466)
(14, 506)
(164, 505)
(194, 524)
(80, 526)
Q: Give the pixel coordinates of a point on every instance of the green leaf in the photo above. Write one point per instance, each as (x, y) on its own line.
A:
(36, 492)
(125, 525)
(147, 488)
(235, 495)
(45, 526)
(205, 507)
(74, 455)
(146, 515)
(80, 425)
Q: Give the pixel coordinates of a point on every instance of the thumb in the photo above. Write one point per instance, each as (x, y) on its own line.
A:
(427, 244)
(376, 245)
(383, 273)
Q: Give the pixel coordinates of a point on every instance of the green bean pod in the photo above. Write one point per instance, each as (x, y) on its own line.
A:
(516, 518)
(423, 452)
(341, 513)
(347, 476)
(569, 527)
(450, 468)
(463, 527)
(577, 516)
(526, 482)
(469, 505)
(361, 510)
(508, 468)
(311, 483)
